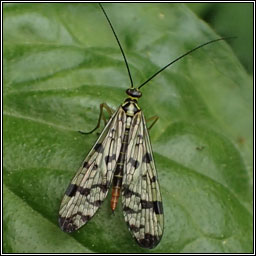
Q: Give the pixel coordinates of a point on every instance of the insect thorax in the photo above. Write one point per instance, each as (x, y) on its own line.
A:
(130, 107)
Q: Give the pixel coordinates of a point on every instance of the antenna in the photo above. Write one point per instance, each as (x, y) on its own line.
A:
(112, 28)
(185, 54)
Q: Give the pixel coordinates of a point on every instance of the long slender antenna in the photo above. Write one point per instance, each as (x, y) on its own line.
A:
(125, 60)
(185, 54)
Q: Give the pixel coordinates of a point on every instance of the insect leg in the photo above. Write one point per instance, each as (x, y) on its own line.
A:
(101, 117)
(153, 119)
(109, 110)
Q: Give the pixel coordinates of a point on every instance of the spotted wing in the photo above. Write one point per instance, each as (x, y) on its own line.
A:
(141, 198)
(90, 185)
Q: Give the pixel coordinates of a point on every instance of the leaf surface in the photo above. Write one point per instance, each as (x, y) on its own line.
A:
(61, 61)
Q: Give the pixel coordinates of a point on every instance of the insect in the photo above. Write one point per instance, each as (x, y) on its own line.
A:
(121, 158)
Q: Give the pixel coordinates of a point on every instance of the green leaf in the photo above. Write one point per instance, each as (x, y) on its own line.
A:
(61, 61)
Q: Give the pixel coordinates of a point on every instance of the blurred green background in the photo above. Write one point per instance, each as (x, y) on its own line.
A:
(231, 19)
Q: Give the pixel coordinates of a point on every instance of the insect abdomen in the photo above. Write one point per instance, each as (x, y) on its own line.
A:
(118, 176)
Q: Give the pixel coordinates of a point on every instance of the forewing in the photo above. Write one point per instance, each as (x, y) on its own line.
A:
(91, 183)
(141, 198)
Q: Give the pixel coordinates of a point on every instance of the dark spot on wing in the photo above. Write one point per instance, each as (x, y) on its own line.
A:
(126, 192)
(130, 210)
(134, 228)
(158, 207)
(146, 204)
(134, 163)
(103, 187)
(98, 148)
(150, 241)
(144, 177)
(84, 191)
(96, 203)
(85, 165)
(67, 225)
(109, 159)
(153, 179)
(71, 190)
(140, 136)
(85, 218)
(95, 167)
(147, 158)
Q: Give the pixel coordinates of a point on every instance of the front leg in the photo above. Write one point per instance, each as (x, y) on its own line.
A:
(101, 117)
